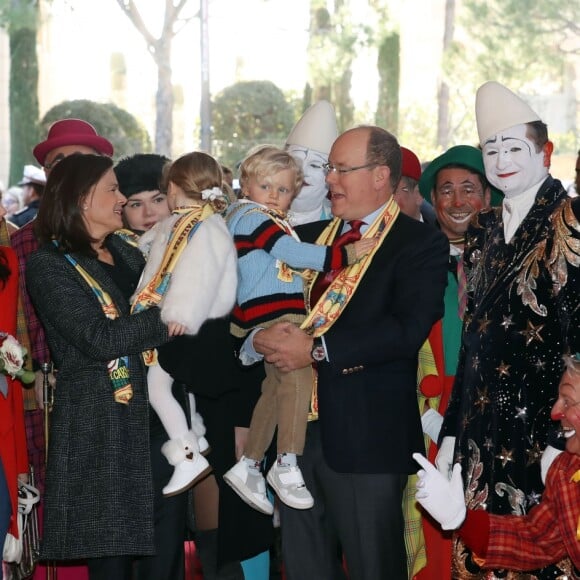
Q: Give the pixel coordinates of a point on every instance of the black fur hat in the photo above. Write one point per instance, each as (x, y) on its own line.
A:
(140, 172)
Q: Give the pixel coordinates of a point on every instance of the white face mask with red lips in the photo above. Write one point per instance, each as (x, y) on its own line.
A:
(511, 161)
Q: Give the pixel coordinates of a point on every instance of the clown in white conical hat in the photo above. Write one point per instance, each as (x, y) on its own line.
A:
(309, 142)
(514, 141)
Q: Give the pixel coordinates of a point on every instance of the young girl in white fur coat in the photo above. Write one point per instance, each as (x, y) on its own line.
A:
(191, 275)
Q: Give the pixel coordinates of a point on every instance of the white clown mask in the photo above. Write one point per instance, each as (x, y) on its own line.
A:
(308, 204)
(511, 161)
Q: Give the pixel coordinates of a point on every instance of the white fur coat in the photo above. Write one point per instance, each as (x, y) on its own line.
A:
(204, 281)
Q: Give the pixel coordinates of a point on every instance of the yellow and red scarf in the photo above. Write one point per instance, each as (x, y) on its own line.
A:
(322, 315)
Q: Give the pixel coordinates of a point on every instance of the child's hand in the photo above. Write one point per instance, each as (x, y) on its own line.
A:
(176, 329)
(363, 247)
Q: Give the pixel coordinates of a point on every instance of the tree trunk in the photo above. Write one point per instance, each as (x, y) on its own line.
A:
(23, 99)
(443, 92)
(163, 100)
(389, 73)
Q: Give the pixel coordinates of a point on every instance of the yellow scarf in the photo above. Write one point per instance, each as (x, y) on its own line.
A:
(338, 294)
(118, 369)
(182, 231)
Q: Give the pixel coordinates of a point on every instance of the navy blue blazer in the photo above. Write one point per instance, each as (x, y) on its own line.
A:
(367, 391)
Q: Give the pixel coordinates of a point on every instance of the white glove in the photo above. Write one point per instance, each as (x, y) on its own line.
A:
(442, 498)
(431, 422)
(444, 459)
(550, 453)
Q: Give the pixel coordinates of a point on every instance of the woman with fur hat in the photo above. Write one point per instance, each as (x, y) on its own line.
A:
(139, 179)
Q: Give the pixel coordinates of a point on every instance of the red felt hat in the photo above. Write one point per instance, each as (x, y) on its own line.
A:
(71, 132)
(411, 167)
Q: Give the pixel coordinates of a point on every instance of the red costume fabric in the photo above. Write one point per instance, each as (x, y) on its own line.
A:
(544, 536)
(436, 387)
(12, 433)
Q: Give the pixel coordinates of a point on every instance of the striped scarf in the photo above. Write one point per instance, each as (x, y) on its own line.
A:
(338, 294)
(181, 234)
(118, 368)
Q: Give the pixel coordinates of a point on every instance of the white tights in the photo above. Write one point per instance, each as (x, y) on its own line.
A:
(165, 405)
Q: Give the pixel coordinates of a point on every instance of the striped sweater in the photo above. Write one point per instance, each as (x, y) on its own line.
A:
(267, 246)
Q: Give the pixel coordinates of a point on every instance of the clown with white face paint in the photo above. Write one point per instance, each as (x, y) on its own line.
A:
(309, 143)
(512, 163)
(523, 309)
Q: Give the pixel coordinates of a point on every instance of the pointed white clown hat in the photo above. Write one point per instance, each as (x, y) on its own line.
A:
(316, 129)
(497, 108)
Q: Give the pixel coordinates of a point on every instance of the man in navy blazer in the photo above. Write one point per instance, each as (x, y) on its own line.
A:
(358, 454)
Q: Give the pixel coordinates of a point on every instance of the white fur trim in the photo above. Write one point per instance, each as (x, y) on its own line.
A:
(176, 450)
(204, 282)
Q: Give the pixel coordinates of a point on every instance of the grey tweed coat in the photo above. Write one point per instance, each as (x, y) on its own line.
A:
(99, 493)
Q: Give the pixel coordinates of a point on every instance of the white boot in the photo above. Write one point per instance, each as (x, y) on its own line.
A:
(198, 427)
(189, 464)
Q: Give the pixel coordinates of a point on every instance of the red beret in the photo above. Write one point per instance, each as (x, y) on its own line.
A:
(411, 167)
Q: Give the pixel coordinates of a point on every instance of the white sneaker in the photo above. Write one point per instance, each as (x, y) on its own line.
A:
(251, 487)
(186, 473)
(289, 486)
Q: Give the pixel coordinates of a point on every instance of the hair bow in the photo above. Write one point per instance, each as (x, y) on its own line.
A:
(212, 193)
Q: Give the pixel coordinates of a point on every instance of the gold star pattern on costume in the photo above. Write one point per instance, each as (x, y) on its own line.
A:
(534, 454)
(542, 201)
(483, 324)
(505, 456)
(501, 264)
(465, 421)
(507, 321)
(503, 369)
(533, 332)
(540, 365)
(522, 413)
(496, 240)
(482, 400)
(525, 235)
(488, 444)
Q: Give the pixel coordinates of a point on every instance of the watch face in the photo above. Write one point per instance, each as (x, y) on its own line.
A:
(318, 353)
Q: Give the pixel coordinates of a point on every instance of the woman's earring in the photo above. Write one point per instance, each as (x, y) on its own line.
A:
(85, 207)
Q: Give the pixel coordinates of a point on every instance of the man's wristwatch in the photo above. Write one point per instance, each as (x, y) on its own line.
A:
(318, 353)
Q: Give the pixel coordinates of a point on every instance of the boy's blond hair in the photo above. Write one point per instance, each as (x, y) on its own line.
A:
(267, 160)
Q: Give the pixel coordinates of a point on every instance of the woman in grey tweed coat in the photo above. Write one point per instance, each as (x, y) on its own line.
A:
(99, 493)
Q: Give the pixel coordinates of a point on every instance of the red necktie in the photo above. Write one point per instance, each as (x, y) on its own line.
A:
(324, 279)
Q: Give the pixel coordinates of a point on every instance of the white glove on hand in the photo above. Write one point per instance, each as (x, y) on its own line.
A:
(444, 459)
(442, 498)
(431, 422)
(550, 453)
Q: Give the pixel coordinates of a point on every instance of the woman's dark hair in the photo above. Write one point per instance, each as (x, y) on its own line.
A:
(4, 269)
(69, 183)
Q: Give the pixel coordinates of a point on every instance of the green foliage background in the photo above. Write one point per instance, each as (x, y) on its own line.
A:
(124, 131)
(247, 114)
